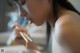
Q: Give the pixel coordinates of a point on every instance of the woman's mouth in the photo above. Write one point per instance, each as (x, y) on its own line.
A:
(30, 20)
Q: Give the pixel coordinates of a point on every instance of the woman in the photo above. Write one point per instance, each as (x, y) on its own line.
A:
(63, 22)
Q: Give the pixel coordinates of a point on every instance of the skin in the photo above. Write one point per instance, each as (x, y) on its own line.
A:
(66, 27)
(67, 31)
(40, 10)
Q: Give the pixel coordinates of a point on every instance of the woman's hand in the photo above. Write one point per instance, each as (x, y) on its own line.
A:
(19, 28)
(20, 40)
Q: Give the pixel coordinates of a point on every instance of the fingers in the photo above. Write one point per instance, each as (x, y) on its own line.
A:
(20, 41)
(18, 35)
(32, 45)
(20, 28)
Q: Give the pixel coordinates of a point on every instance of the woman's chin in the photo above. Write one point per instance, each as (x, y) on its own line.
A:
(38, 24)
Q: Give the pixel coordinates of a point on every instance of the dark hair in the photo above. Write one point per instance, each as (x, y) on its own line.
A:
(63, 3)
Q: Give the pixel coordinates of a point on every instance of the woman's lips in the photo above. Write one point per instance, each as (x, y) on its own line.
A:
(31, 21)
(29, 18)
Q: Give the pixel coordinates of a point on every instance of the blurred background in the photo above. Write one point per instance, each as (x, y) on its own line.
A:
(5, 24)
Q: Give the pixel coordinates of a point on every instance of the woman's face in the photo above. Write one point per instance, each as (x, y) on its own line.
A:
(38, 11)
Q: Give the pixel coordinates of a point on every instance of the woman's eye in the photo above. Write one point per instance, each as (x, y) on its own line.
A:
(22, 2)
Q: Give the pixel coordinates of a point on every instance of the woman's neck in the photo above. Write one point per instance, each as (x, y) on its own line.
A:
(61, 11)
